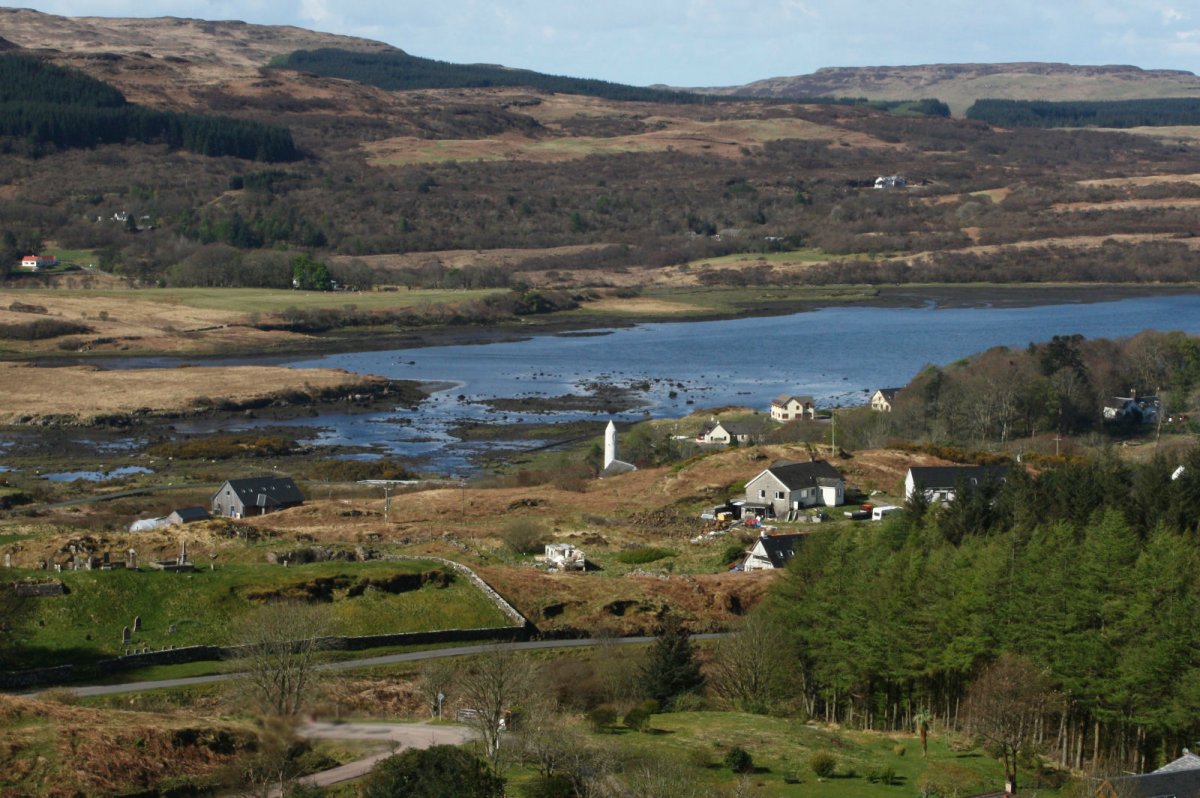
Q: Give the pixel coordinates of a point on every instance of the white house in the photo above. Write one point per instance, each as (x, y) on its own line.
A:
(786, 408)
(785, 488)
(565, 557)
(37, 262)
(891, 181)
(771, 551)
(726, 432)
(883, 399)
(941, 483)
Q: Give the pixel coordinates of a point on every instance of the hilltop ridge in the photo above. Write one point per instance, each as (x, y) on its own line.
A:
(959, 85)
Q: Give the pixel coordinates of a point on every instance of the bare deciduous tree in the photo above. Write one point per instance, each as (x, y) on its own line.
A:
(751, 669)
(1005, 704)
(495, 683)
(435, 683)
(279, 645)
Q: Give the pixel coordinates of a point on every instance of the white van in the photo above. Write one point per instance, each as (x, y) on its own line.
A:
(883, 511)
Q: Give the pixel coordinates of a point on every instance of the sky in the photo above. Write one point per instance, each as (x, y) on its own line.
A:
(722, 42)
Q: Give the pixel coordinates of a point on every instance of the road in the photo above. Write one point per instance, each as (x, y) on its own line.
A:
(367, 662)
(394, 736)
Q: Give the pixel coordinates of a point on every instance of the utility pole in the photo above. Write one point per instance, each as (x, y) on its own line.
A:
(387, 501)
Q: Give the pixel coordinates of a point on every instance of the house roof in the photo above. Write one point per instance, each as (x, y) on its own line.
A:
(783, 399)
(780, 548)
(1173, 784)
(732, 427)
(187, 514)
(888, 393)
(943, 477)
(266, 491)
(805, 475)
(1188, 761)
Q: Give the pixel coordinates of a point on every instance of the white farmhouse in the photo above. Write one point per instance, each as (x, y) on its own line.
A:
(771, 551)
(941, 483)
(787, 407)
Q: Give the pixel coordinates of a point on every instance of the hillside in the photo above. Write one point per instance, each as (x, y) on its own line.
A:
(959, 85)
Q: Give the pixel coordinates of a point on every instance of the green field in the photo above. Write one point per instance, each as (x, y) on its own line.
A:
(781, 749)
(249, 300)
(205, 606)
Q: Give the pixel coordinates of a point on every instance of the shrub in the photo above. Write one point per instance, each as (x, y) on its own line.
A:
(643, 554)
(552, 786)
(823, 764)
(882, 775)
(738, 760)
(523, 536)
(638, 718)
(601, 718)
(60, 695)
(41, 329)
(899, 749)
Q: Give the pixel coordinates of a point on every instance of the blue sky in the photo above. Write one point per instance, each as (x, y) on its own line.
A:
(723, 42)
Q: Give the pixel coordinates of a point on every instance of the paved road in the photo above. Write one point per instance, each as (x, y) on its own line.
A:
(367, 662)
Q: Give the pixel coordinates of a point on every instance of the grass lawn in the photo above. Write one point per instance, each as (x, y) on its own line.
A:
(204, 606)
(73, 257)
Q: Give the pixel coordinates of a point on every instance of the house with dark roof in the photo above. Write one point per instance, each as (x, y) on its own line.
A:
(1178, 779)
(883, 399)
(941, 483)
(187, 515)
(782, 490)
(726, 432)
(238, 498)
(771, 551)
(788, 407)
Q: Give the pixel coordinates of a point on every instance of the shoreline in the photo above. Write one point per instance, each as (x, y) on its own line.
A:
(939, 296)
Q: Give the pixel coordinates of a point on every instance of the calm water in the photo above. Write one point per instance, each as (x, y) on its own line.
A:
(838, 355)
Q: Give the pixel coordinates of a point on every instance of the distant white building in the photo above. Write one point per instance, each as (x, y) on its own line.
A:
(37, 262)
(565, 557)
(891, 181)
(771, 552)
(883, 399)
(787, 407)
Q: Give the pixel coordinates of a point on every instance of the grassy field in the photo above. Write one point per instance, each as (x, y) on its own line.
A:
(781, 747)
(266, 300)
(204, 606)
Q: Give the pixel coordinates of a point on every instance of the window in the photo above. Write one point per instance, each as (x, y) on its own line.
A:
(762, 494)
(778, 494)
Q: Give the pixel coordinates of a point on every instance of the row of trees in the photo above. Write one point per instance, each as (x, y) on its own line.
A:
(1089, 571)
(1159, 111)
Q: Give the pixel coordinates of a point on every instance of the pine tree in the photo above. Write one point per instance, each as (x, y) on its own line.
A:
(672, 669)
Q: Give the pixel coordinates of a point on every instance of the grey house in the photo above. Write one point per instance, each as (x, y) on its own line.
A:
(784, 488)
(238, 498)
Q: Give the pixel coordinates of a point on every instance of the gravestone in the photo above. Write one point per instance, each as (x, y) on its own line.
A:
(137, 623)
(7, 560)
(171, 629)
(126, 637)
(131, 560)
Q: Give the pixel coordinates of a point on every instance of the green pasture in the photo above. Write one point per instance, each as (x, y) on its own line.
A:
(206, 605)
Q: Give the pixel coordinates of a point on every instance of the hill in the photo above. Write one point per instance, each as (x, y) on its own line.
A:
(960, 85)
